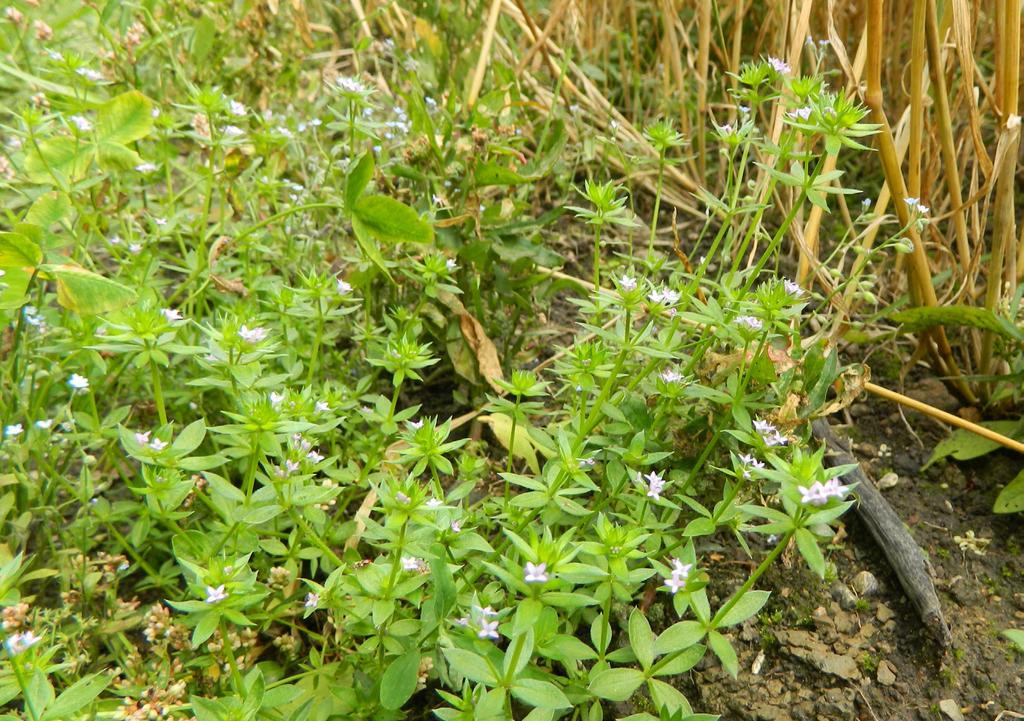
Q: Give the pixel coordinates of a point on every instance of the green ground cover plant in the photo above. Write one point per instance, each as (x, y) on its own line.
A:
(285, 435)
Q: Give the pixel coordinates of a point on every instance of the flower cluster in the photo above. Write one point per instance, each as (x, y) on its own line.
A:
(676, 580)
(655, 484)
(483, 620)
(769, 433)
(821, 493)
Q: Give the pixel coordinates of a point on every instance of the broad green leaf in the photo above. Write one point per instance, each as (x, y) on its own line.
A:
(358, 178)
(17, 251)
(471, 665)
(811, 551)
(48, 209)
(398, 683)
(368, 245)
(641, 638)
(725, 652)
(1011, 498)
(914, 319)
(679, 636)
(125, 119)
(190, 438)
(616, 684)
(66, 158)
(495, 174)
(746, 607)
(114, 156)
(14, 288)
(1016, 637)
(391, 221)
(964, 445)
(86, 292)
(75, 697)
(203, 34)
(540, 694)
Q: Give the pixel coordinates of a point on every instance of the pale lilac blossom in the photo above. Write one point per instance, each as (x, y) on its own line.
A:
(44, 424)
(769, 433)
(803, 113)
(627, 283)
(237, 109)
(821, 493)
(252, 335)
(312, 600)
(214, 594)
(792, 288)
(83, 124)
(779, 66)
(680, 572)
(535, 573)
(749, 322)
(344, 287)
(322, 406)
(655, 484)
(170, 314)
(413, 564)
(157, 445)
(18, 642)
(142, 438)
(78, 383)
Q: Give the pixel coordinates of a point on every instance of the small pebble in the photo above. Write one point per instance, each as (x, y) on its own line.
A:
(889, 480)
(842, 594)
(951, 709)
(865, 583)
(884, 613)
(886, 673)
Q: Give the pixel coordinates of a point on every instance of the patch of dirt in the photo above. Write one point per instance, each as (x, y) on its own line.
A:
(856, 649)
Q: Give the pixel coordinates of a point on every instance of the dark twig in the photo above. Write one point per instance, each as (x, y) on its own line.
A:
(904, 555)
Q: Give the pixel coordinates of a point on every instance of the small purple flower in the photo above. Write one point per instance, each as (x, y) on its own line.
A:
(312, 600)
(627, 283)
(142, 438)
(488, 629)
(749, 322)
(252, 335)
(157, 445)
(344, 287)
(413, 564)
(215, 594)
(536, 573)
(655, 484)
(801, 113)
(792, 288)
(19, 642)
(769, 433)
(671, 376)
(779, 66)
(676, 580)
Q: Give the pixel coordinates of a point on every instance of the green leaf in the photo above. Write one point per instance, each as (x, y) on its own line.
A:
(1016, 637)
(811, 551)
(540, 694)
(114, 156)
(48, 209)
(190, 438)
(391, 221)
(668, 697)
(641, 638)
(14, 288)
(964, 445)
(471, 665)
(203, 34)
(125, 119)
(17, 251)
(369, 247)
(86, 292)
(1011, 498)
(75, 697)
(495, 174)
(67, 158)
(725, 652)
(616, 684)
(358, 178)
(747, 606)
(679, 636)
(398, 683)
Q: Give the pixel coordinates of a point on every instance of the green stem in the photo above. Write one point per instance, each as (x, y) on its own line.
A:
(749, 583)
(317, 341)
(597, 258)
(158, 393)
(657, 205)
(18, 674)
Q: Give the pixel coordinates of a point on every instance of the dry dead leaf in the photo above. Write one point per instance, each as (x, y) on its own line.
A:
(484, 349)
(229, 285)
(850, 384)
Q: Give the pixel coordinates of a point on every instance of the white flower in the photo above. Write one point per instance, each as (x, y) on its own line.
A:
(161, 222)
(351, 86)
(82, 123)
(434, 503)
(281, 130)
(78, 383)
(488, 629)
(314, 457)
(157, 445)
(414, 425)
(252, 335)
(779, 66)
(312, 600)
(749, 322)
(170, 314)
(587, 462)
(232, 131)
(803, 113)
(769, 433)
(820, 493)
(675, 584)
(90, 74)
(456, 526)
(451, 265)
(344, 288)
(145, 167)
(677, 578)
(13, 430)
(322, 406)
(535, 573)
(135, 248)
(627, 282)
(750, 463)
(915, 204)
(276, 398)
(18, 642)
(44, 424)
(792, 288)
(413, 564)
(726, 129)
(142, 438)
(671, 375)
(115, 240)
(402, 498)
(237, 109)
(215, 594)
(655, 484)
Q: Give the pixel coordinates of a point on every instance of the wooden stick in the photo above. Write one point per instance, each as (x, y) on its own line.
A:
(940, 415)
(899, 547)
(485, 53)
